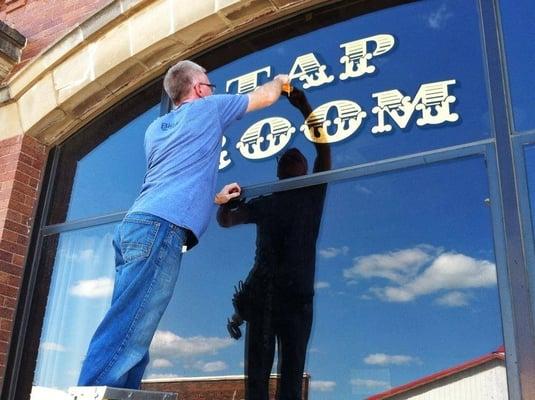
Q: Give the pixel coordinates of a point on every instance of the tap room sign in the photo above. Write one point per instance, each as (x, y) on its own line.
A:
(374, 95)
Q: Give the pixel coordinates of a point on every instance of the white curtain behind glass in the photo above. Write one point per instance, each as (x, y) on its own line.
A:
(80, 293)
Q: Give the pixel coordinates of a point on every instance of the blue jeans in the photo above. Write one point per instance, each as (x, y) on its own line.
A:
(148, 251)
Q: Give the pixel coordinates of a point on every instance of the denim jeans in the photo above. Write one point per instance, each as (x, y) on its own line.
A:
(148, 251)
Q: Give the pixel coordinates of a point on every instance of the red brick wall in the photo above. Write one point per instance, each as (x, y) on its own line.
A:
(227, 388)
(43, 22)
(22, 161)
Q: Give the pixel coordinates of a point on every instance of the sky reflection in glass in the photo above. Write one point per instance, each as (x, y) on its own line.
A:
(519, 31)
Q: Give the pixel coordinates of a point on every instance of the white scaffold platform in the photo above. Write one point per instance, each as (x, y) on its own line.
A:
(110, 393)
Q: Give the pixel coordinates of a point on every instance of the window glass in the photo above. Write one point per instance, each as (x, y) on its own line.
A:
(80, 292)
(405, 283)
(108, 179)
(101, 168)
(383, 84)
(405, 276)
(519, 30)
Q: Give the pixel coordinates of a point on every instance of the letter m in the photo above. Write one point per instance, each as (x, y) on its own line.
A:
(432, 99)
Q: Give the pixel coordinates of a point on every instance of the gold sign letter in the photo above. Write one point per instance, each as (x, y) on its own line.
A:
(251, 144)
(357, 56)
(350, 116)
(310, 71)
(432, 99)
(248, 82)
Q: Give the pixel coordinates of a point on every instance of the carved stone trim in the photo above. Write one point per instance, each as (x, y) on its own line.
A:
(11, 44)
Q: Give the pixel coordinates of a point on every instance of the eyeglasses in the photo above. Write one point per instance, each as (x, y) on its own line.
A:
(210, 85)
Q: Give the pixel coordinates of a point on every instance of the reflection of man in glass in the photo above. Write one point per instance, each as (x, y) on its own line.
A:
(182, 150)
(281, 283)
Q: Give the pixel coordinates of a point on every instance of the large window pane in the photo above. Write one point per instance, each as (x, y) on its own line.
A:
(405, 288)
(519, 30)
(80, 291)
(412, 58)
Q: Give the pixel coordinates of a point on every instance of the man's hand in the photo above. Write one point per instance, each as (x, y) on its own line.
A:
(229, 192)
(282, 78)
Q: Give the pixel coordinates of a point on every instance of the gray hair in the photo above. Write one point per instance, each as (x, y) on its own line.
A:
(179, 79)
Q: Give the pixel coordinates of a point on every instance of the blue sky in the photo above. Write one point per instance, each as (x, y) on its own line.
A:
(405, 277)
(519, 31)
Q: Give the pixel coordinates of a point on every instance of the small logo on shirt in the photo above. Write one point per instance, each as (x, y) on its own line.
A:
(165, 126)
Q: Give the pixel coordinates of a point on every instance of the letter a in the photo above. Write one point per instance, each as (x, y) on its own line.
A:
(310, 71)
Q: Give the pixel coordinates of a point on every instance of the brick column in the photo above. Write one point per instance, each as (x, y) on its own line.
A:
(22, 162)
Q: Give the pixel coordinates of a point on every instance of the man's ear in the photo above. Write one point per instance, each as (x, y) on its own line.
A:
(197, 90)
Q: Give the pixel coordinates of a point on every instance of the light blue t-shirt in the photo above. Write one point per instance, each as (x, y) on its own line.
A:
(182, 149)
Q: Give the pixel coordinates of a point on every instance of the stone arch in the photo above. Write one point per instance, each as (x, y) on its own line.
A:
(118, 50)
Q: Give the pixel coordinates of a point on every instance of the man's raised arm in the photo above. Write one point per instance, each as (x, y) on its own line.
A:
(323, 150)
(267, 94)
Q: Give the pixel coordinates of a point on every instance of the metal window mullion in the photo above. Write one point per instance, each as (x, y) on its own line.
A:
(83, 223)
(371, 168)
(526, 213)
(520, 352)
(356, 171)
(504, 288)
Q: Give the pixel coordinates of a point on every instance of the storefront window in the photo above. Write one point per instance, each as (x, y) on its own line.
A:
(405, 276)
(518, 29)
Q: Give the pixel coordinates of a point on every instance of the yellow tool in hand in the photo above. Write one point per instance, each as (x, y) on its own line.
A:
(287, 88)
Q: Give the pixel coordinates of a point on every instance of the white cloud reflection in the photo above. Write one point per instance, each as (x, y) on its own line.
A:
(396, 266)
(51, 346)
(370, 383)
(161, 363)
(423, 270)
(437, 19)
(322, 285)
(386, 359)
(454, 299)
(212, 366)
(331, 252)
(322, 386)
(93, 288)
(166, 344)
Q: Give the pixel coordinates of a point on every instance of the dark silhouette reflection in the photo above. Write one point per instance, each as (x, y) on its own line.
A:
(276, 298)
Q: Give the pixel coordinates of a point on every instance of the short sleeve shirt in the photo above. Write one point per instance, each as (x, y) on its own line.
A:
(182, 150)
